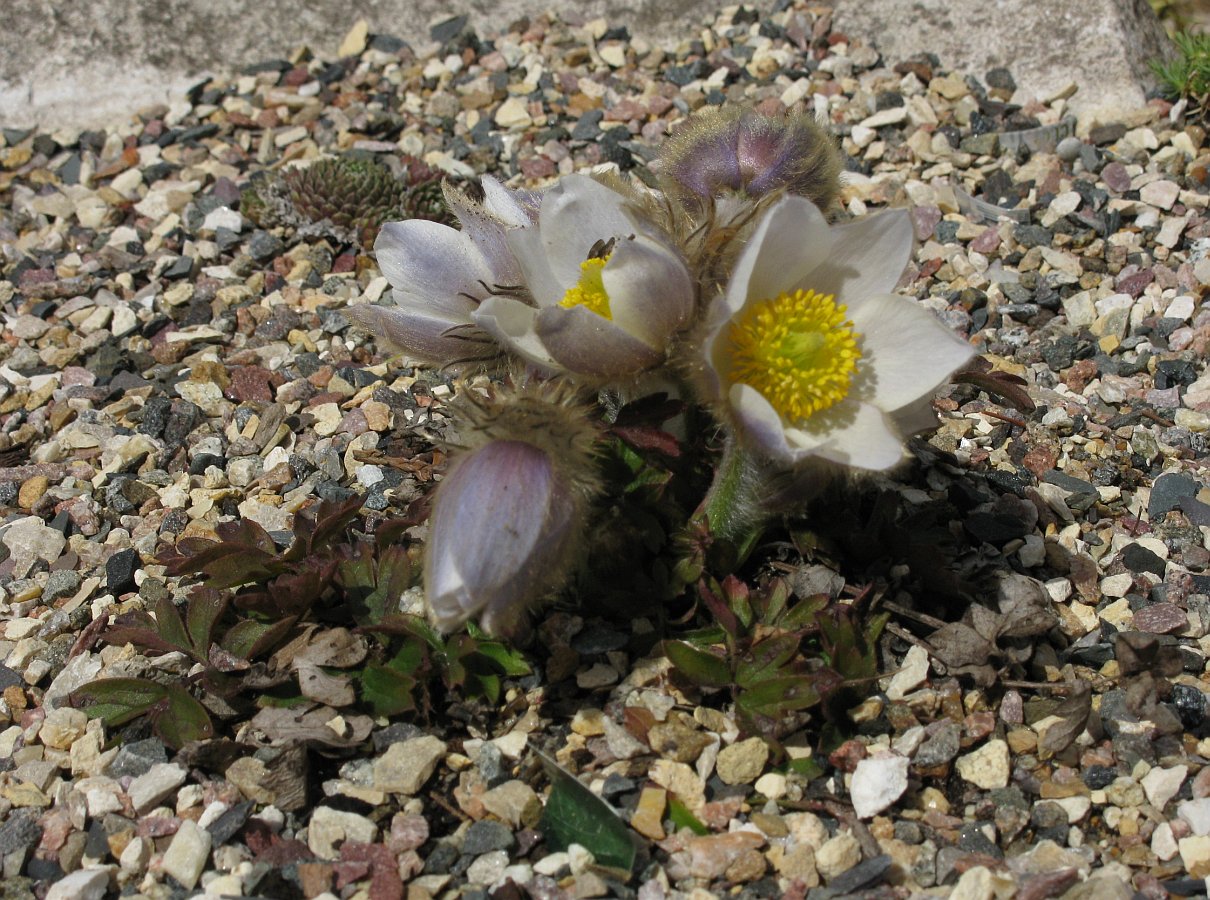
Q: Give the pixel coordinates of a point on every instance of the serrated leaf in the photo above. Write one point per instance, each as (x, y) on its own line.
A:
(681, 817)
(699, 666)
(510, 662)
(575, 815)
(316, 527)
(248, 533)
(374, 582)
(388, 691)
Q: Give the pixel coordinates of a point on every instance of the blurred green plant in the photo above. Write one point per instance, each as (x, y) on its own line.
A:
(316, 624)
(1187, 75)
(778, 657)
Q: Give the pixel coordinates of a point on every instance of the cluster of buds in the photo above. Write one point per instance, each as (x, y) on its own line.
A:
(725, 283)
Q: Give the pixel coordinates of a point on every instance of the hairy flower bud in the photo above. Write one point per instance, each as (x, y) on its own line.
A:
(738, 150)
(502, 526)
(509, 519)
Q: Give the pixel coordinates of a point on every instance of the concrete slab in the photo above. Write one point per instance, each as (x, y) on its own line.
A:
(1100, 46)
(80, 64)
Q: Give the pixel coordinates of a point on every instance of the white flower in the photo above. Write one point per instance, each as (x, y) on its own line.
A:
(440, 275)
(808, 350)
(603, 292)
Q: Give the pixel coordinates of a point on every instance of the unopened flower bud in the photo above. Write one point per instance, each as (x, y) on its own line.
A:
(509, 518)
(503, 524)
(739, 150)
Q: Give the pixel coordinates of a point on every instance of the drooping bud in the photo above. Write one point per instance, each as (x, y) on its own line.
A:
(732, 149)
(503, 524)
(509, 519)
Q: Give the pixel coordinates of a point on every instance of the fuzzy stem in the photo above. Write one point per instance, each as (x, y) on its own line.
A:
(731, 509)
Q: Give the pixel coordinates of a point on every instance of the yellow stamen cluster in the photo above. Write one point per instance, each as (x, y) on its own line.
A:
(798, 350)
(589, 291)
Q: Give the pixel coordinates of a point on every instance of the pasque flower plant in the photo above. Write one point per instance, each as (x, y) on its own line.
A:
(781, 329)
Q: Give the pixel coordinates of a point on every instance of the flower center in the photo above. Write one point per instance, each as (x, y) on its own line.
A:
(798, 350)
(589, 291)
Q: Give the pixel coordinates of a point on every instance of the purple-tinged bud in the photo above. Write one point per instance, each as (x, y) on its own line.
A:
(510, 517)
(733, 149)
(503, 529)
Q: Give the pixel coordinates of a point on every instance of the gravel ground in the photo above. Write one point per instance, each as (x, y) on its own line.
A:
(168, 364)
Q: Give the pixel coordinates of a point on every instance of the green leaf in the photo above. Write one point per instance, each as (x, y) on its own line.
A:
(699, 666)
(804, 613)
(179, 719)
(249, 638)
(116, 701)
(374, 582)
(808, 767)
(175, 715)
(168, 619)
(575, 815)
(779, 695)
(681, 817)
(387, 691)
(765, 658)
(205, 608)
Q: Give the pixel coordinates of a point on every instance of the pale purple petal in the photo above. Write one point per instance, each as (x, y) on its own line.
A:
(907, 352)
(511, 323)
(650, 291)
(489, 235)
(869, 257)
(428, 259)
(587, 344)
(790, 242)
(426, 335)
(501, 523)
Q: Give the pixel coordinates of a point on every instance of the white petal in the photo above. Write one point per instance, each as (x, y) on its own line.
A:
(530, 252)
(865, 439)
(576, 213)
(428, 258)
(501, 203)
(907, 352)
(650, 292)
(588, 344)
(869, 256)
(791, 240)
(915, 417)
(760, 423)
(511, 322)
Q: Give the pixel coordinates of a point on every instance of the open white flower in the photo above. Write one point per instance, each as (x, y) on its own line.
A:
(808, 350)
(440, 275)
(603, 291)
